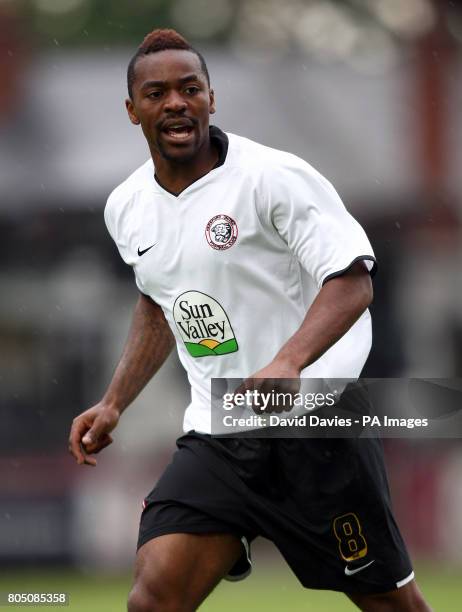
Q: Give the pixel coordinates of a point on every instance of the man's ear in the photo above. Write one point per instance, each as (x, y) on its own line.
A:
(212, 102)
(131, 112)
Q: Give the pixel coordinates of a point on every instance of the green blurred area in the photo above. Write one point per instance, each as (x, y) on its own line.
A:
(81, 23)
(266, 590)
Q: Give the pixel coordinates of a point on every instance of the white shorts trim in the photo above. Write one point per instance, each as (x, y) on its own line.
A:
(404, 581)
(248, 570)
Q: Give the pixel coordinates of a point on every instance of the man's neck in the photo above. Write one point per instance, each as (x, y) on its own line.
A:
(177, 176)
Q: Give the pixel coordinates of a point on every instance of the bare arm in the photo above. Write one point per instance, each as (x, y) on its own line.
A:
(148, 345)
(337, 306)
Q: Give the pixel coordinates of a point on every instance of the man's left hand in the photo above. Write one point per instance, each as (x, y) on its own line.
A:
(280, 376)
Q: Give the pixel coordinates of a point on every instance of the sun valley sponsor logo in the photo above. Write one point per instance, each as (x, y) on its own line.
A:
(221, 232)
(203, 324)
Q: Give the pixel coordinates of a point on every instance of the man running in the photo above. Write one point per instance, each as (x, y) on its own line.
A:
(224, 236)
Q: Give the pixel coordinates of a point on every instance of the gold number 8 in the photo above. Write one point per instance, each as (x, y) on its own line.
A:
(351, 542)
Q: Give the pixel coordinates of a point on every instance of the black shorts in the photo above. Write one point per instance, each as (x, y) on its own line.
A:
(325, 504)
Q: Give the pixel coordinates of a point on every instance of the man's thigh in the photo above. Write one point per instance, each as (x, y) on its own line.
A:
(178, 570)
(405, 599)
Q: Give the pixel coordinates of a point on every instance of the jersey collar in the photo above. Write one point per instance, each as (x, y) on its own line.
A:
(221, 142)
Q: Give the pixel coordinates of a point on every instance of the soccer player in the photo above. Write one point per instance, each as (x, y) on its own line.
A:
(224, 236)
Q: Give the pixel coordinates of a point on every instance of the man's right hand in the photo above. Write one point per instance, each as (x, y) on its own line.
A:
(90, 432)
(148, 345)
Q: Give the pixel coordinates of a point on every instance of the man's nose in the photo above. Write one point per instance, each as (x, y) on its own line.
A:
(174, 102)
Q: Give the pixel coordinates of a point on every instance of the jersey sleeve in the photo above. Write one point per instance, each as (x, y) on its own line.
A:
(113, 212)
(312, 220)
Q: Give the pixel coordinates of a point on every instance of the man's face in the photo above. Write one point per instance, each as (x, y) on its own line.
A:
(172, 102)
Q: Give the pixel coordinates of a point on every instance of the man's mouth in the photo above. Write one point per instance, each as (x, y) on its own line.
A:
(178, 132)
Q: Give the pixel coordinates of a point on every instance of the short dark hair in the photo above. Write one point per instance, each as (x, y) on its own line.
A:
(161, 40)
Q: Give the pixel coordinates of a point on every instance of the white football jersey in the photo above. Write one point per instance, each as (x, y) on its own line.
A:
(235, 261)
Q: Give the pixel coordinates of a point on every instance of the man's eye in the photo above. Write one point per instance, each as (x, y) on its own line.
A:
(192, 90)
(154, 94)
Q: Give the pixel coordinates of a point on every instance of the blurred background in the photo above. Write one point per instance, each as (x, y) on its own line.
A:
(367, 91)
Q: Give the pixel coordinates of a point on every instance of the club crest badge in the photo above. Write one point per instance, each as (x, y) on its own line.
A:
(221, 232)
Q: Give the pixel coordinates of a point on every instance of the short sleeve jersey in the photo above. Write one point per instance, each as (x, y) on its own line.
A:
(235, 260)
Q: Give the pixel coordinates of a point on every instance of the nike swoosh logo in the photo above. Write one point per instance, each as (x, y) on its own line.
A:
(145, 250)
(351, 572)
